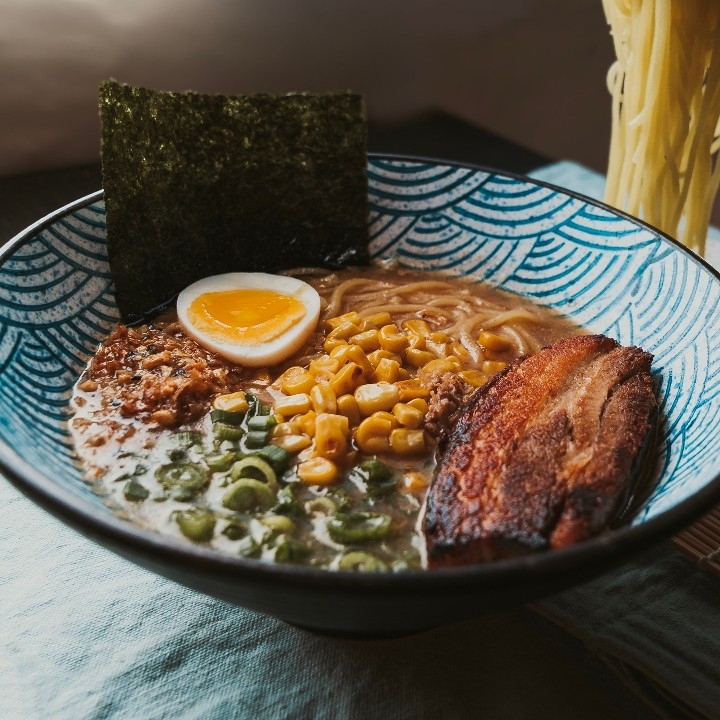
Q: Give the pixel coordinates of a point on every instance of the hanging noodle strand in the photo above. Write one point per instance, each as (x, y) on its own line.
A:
(665, 87)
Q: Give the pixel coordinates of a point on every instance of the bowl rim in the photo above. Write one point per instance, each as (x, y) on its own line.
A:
(109, 528)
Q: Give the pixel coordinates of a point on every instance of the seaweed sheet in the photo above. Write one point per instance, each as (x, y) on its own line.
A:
(197, 185)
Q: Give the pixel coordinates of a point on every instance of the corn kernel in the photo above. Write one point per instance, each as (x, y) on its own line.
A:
(376, 396)
(292, 443)
(420, 404)
(493, 341)
(323, 365)
(347, 379)
(375, 321)
(417, 327)
(408, 416)
(411, 389)
(441, 366)
(373, 434)
(331, 435)
(331, 343)
(334, 322)
(305, 423)
(385, 415)
(295, 380)
(353, 353)
(461, 352)
(377, 355)
(439, 349)
(317, 471)
(339, 352)
(414, 481)
(392, 339)
(387, 371)
(344, 331)
(416, 342)
(374, 445)
(474, 377)
(292, 404)
(492, 367)
(439, 337)
(407, 442)
(323, 399)
(418, 358)
(232, 402)
(282, 429)
(367, 340)
(347, 406)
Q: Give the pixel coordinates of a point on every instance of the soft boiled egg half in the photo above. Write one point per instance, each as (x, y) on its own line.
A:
(252, 319)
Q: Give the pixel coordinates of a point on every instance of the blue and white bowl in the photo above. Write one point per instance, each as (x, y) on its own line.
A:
(604, 270)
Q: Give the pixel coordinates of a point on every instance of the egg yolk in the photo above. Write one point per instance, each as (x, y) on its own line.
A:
(246, 316)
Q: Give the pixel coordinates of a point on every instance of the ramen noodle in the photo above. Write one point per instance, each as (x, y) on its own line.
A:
(665, 87)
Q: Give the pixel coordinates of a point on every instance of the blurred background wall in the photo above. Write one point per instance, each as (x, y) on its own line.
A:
(530, 70)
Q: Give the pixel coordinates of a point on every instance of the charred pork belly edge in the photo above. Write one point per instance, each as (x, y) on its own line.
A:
(541, 455)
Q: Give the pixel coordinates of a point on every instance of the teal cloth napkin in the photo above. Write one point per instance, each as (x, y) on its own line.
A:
(86, 634)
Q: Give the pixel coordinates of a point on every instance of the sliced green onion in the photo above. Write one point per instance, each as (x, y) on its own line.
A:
(261, 422)
(235, 530)
(321, 505)
(279, 524)
(196, 523)
(223, 431)
(247, 547)
(376, 476)
(184, 480)
(223, 446)
(288, 505)
(257, 407)
(220, 463)
(256, 438)
(177, 454)
(229, 417)
(358, 527)
(278, 457)
(361, 562)
(288, 550)
(340, 497)
(254, 467)
(248, 494)
(135, 491)
(375, 469)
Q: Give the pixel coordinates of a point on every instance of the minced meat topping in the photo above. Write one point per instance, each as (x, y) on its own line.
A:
(158, 374)
(448, 393)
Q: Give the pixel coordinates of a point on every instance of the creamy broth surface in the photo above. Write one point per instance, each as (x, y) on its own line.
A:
(327, 460)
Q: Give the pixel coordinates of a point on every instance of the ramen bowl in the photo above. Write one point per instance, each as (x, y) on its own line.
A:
(603, 270)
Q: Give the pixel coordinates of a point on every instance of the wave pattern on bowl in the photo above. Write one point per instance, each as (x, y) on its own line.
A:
(604, 271)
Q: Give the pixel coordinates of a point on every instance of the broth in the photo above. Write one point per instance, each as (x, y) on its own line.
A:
(163, 430)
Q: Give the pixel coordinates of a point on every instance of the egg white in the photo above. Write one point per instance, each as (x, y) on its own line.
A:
(253, 355)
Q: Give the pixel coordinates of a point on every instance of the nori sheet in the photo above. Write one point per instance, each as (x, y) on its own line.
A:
(197, 185)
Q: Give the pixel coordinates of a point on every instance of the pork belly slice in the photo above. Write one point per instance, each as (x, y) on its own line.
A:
(541, 456)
